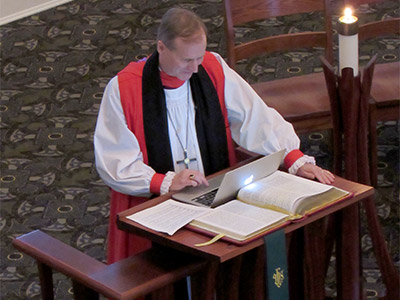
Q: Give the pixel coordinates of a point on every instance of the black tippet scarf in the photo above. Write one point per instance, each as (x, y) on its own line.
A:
(209, 120)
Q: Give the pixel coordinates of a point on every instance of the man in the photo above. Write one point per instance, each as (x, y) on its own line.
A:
(167, 122)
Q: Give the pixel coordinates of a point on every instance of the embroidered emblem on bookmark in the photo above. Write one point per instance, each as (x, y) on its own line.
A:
(278, 277)
(277, 283)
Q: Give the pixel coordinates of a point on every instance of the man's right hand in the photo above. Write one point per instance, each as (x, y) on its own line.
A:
(187, 178)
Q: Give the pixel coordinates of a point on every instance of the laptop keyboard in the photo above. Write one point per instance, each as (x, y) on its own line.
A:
(207, 198)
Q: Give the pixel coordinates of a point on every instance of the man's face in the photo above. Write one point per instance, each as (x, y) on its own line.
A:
(184, 58)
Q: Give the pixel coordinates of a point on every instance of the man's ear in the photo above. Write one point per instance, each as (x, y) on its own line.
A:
(160, 46)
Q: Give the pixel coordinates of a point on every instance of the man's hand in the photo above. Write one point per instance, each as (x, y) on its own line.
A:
(312, 171)
(187, 178)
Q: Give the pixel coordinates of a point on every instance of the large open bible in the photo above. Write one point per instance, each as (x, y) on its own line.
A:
(266, 205)
(259, 208)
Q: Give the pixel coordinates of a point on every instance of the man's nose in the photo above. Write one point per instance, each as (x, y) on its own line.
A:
(194, 66)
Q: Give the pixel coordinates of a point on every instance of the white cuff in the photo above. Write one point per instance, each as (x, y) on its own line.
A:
(167, 182)
(305, 159)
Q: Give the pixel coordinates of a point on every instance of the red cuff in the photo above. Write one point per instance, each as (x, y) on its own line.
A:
(155, 183)
(292, 157)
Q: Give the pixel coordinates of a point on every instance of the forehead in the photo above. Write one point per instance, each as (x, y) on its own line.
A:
(190, 47)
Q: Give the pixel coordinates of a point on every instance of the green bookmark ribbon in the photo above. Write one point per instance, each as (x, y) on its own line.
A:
(276, 266)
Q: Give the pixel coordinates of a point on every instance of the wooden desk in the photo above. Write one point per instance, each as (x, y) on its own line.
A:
(221, 252)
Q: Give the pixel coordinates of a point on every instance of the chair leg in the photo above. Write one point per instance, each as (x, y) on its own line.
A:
(390, 274)
(82, 292)
(46, 281)
(373, 145)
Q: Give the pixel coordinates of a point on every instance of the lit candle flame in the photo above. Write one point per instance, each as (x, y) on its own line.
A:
(347, 12)
(348, 18)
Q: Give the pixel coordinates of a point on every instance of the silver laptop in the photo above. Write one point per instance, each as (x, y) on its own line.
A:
(225, 186)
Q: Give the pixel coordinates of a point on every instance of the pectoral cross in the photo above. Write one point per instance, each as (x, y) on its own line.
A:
(186, 160)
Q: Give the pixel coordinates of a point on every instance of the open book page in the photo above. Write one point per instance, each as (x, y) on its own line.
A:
(281, 190)
(238, 220)
(168, 216)
(319, 201)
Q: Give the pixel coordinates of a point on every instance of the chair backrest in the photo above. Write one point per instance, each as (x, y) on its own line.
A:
(240, 12)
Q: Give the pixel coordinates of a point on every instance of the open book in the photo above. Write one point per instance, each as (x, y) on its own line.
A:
(267, 204)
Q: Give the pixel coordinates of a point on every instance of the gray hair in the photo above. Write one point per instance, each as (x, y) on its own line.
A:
(179, 22)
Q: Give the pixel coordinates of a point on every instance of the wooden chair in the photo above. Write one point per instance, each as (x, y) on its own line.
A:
(149, 273)
(384, 106)
(385, 91)
(301, 100)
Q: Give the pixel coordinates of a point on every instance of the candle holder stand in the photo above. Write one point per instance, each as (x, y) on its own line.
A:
(349, 107)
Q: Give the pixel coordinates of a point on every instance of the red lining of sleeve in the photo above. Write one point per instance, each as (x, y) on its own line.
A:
(155, 183)
(291, 157)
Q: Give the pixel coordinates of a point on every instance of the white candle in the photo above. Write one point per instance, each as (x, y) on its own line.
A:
(348, 41)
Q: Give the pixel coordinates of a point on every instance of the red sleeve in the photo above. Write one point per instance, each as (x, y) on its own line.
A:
(291, 157)
(155, 183)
